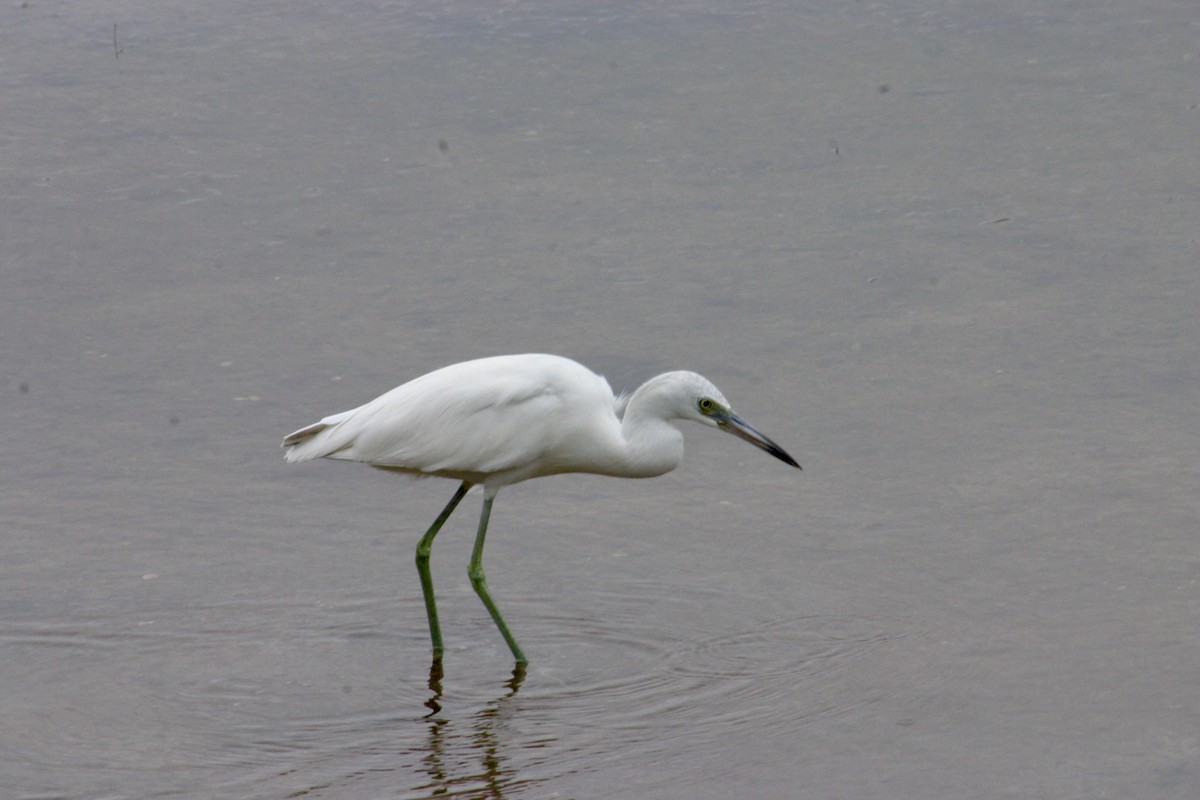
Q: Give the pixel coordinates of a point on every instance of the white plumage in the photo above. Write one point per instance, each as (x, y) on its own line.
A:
(501, 420)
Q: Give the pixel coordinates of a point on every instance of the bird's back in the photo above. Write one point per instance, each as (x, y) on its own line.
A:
(516, 416)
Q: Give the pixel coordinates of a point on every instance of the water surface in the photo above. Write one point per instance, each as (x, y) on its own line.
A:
(945, 254)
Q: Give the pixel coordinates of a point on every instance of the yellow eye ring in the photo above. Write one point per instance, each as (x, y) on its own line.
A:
(707, 405)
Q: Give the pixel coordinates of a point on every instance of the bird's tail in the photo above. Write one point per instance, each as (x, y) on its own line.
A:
(308, 443)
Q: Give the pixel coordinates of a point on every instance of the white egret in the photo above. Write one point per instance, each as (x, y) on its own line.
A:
(498, 421)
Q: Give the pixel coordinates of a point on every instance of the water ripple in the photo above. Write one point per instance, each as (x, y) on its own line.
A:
(313, 701)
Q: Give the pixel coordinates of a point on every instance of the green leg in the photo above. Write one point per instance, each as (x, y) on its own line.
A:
(479, 581)
(423, 548)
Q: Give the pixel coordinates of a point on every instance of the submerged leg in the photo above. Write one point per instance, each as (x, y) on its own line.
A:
(479, 581)
(423, 548)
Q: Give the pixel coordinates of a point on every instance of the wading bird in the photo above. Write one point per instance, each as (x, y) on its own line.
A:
(502, 420)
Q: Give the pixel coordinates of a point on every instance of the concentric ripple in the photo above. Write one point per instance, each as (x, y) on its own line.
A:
(636, 686)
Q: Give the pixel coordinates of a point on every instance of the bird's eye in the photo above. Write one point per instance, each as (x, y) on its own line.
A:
(707, 405)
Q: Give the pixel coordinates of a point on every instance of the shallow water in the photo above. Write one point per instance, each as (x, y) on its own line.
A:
(945, 255)
(337, 705)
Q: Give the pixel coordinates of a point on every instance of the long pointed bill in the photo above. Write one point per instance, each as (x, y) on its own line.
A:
(734, 424)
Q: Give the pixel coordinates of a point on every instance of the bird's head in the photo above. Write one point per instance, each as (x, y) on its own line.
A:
(690, 396)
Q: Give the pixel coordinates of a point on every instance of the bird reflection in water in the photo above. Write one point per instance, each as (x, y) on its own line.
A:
(443, 760)
(435, 685)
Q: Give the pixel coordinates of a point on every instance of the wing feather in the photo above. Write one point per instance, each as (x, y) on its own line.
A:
(476, 417)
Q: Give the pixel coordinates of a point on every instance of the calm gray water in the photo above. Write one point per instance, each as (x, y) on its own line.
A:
(945, 253)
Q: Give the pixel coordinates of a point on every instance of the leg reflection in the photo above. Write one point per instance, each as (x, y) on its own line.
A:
(435, 687)
(485, 738)
(518, 677)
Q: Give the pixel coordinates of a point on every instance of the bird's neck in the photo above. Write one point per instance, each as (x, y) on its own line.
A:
(653, 445)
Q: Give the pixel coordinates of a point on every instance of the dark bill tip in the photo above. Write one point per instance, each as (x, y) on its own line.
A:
(744, 430)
